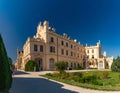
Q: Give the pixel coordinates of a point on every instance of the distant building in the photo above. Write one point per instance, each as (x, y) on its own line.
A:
(96, 59)
(47, 47)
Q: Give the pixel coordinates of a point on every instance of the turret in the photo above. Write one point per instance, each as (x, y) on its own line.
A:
(104, 54)
(46, 25)
(98, 43)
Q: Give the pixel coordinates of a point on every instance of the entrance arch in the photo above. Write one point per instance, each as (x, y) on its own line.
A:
(51, 64)
(101, 65)
(40, 63)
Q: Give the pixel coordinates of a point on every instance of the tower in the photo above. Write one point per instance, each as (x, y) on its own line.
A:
(46, 25)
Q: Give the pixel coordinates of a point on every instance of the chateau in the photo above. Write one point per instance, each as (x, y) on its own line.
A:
(47, 47)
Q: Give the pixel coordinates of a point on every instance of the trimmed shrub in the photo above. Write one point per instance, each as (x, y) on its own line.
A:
(31, 66)
(89, 78)
(105, 74)
(78, 74)
(61, 66)
(5, 72)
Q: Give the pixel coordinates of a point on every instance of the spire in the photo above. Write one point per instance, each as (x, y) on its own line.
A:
(99, 41)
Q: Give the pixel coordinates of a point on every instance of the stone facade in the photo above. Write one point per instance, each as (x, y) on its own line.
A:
(19, 60)
(95, 59)
(47, 47)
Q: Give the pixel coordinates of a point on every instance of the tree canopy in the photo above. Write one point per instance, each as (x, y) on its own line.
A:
(31, 66)
(61, 66)
(116, 65)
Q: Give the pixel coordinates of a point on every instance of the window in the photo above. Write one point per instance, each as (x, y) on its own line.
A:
(62, 43)
(66, 44)
(78, 48)
(20, 60)
(52, 39)
(71, 64)
(78, 55)
(87, 57)
(93, 56)
(67, 52)
(71, 46)
(87, 51)
(52, 49)
(35, 47)
(74, 64)
(62, 51)
(71, 53)
(74, 47)
(41, 48)
(92, 51)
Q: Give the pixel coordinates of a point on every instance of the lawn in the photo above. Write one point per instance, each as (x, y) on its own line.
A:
(99, 80)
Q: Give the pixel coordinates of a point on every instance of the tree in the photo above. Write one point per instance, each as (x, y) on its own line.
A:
(61, 66)
(5, 72)
(31, 66)
(116, 65)
(10, 61)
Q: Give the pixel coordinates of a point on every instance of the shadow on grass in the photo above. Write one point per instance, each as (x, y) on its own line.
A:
(37, 85)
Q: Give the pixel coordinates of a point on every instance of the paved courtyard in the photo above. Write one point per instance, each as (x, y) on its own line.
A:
(32, 83)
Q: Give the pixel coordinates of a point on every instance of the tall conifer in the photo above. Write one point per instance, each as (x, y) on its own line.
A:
(5, 73)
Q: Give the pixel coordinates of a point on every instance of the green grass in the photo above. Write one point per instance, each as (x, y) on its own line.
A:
(99, 80)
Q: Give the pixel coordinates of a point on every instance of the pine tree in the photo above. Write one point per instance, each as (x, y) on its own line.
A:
(5, 72)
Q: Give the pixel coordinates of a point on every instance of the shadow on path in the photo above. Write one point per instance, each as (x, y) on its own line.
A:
(37, 85)
(19, 73)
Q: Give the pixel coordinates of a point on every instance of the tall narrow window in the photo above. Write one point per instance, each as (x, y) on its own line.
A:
(35, 47)
(71, 46)
(93, 56)
(78, 48)
(52, 49)
(52, 39)
(71, 53)
(62, 51)
(78, 55)
(67, 52)
(66, 44)
(92, 51)
(71, 64)
(62, 43)
(41, 48)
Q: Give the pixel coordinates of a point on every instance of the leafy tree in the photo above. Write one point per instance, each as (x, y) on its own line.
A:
(31, 66)
(116, 65)
(5, 72)
(61, 66)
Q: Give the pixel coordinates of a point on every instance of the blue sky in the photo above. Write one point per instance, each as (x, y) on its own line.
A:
(85, 20)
